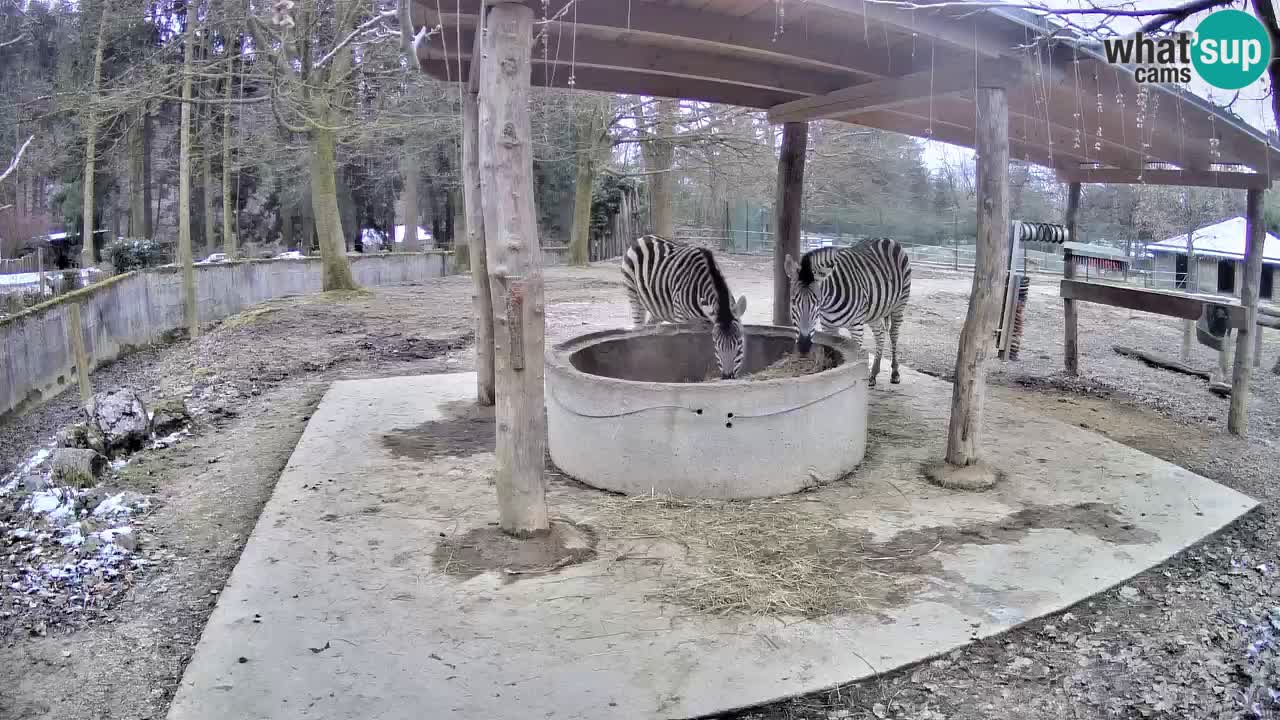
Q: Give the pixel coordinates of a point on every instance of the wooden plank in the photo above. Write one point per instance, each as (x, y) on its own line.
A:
(515, 274)
(75, 339)
(671, 25)
(1158, 302)
(889, 92)
(965, 426)
(790, 195)
(1070, 340)
(565, 56)
(962, 34)
(1182, 178)
(481, 297)
(1256, 232)
(637, 83)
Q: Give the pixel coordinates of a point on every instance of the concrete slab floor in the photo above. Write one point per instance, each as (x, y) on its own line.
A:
(344, 606)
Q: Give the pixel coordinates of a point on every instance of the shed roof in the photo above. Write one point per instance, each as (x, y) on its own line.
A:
(1225, 239)
(907, 71)
(1096, 251)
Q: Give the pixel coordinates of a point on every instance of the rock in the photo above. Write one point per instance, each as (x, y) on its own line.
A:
(169, 416)
(126, 540)
(75, 435)
(123, 420)
(1130, 593)
(78, 467)
(35, 482)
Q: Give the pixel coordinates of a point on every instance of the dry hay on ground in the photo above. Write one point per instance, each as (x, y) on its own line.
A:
(770, 557)
(791, 365)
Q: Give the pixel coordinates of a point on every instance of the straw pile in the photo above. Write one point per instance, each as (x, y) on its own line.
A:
(764, 557)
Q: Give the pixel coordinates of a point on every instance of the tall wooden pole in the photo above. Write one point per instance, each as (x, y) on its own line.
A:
(1070, 346)
(787, 206)
(514, 265)
(481, 300)
(989, 265)
(1238, 415)
(75, 338)
(190, 311)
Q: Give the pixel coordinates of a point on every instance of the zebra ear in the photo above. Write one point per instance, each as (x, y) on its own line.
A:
(793, 270)
(740, 307)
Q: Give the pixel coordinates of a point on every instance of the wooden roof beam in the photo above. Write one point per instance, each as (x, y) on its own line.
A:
(959, 135)
(1182, 178)
(890, 92)
(735, 36)
(625, 55)
(959, 33)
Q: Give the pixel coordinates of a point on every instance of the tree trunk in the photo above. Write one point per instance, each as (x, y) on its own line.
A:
(149, 221)
(1256, 232)
(588, 131)
(409, 200)
(206, 177)
(1071, 337)
(230, 244)
(963, 443)
(87, 254)
(659, 153)
(324, 206)
(481, 299)
(1192, 283)
(137, 197)
(787, 204)
(184, 185)
(506, 179)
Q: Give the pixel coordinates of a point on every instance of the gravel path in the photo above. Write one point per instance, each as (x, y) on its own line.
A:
(1193, 639)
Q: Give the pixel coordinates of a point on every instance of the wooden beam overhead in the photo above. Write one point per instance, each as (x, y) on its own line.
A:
(627, 56)
(953, 31)
(1172, 304)
(666, 24)
(1181, 178)
(888, 92)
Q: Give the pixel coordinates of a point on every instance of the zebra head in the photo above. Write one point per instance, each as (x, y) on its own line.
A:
(727, 337)
(806, 281)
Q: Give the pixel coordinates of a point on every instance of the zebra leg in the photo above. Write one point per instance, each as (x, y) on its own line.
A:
(895, 320)
(637, 309)
(877, 330)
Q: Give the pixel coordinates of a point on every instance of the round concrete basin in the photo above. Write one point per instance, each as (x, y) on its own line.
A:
(629, 411)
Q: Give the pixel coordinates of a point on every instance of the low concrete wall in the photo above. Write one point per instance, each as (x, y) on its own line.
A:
(138, 308)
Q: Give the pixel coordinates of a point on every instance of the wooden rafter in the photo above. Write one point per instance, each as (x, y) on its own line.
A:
(889, 92)
(1184, 178)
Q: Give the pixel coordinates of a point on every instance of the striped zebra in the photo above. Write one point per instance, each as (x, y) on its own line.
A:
(868, 283)
(678, 283)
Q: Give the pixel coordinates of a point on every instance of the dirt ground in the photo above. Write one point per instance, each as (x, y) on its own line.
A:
(1192, 639)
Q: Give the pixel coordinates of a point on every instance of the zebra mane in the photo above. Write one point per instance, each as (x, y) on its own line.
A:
(821, 257)
(724, 300)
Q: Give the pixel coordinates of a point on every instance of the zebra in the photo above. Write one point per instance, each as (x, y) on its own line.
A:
(672, 282)
(846, 287)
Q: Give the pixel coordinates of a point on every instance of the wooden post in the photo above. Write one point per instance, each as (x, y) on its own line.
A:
(514, 266)
(1255, 230)
(1257, 346)
(1070, 341)
(787, 206)
(40, 269)
(990, 258)
(481, 299)
(75, 338)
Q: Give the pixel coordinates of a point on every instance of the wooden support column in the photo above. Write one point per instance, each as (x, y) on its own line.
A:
(481, 299)
(75, 338)
(787, 205)
(962, 468)
(514, 266)
(1255, 230)
(1070, 346)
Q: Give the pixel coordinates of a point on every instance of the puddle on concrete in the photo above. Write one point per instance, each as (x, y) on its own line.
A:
(487, 548)
(466, 429)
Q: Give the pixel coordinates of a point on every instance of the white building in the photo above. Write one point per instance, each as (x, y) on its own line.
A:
(1219, 251)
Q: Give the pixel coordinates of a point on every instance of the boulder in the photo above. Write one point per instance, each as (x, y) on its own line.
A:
(35, 482)
(123, 420)
(169, 416)
(78, 467)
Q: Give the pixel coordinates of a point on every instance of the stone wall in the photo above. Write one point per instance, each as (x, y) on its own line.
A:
(140, 308)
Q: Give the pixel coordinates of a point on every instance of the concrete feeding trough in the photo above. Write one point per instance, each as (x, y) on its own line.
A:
(631, 411)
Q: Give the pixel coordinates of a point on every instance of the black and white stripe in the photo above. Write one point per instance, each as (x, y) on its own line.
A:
(676, 283)
(868, 283)
(1042, 233)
